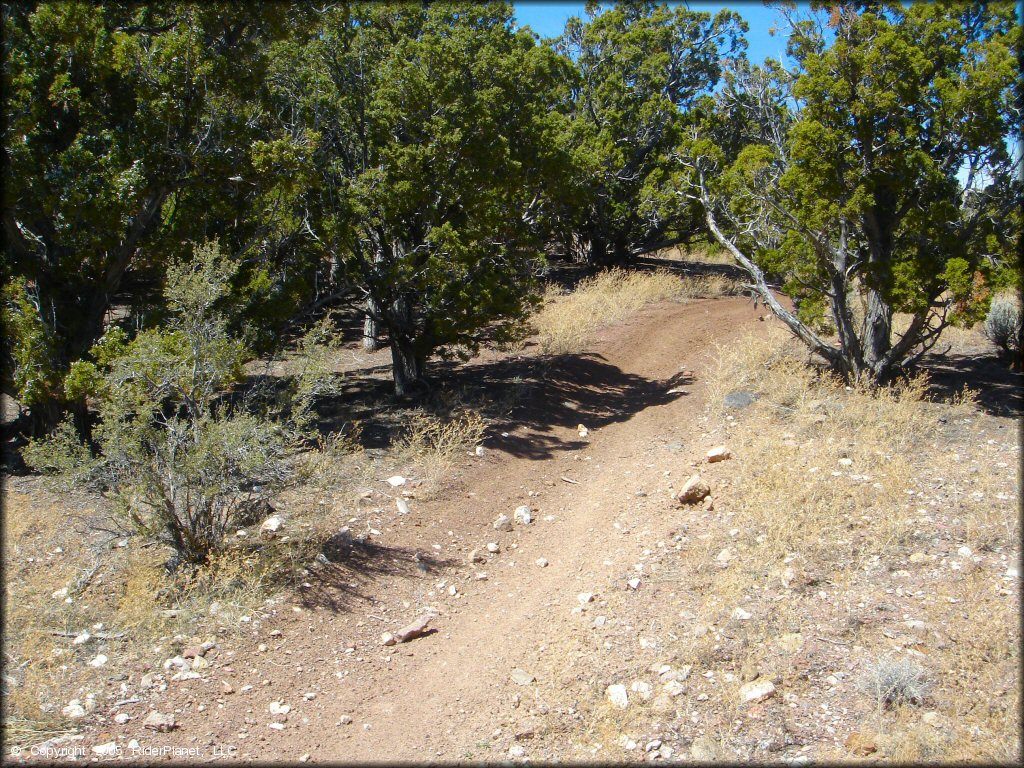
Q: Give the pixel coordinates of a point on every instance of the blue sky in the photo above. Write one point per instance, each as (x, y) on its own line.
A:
(547, 19)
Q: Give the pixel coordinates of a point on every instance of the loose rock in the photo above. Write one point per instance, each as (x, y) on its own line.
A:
(617, 696)
(503, 523)
(156, 721)
(718, 453)
(522, 677)
(523, 515)
(272, 524)
(757, 691)
(403, 506)
(414, 629)
(694, 490)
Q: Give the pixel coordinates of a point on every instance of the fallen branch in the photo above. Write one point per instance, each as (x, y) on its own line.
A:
(99, 635)
(568, 480)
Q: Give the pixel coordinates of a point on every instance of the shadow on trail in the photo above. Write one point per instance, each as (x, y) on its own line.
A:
(548, 394)
(998, 388)
(352, 564)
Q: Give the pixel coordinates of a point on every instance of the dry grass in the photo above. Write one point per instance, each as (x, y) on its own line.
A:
(832, 490)
(566, 323)
(432, 443)
(704, 253)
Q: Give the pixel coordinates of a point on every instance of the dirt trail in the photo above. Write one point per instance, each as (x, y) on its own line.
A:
(438, 696)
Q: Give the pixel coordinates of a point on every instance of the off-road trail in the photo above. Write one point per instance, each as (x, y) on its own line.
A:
(440, 696)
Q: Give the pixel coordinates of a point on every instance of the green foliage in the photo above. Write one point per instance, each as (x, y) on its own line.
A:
(877, 172)
(180, 457)
(1004, 326)
(642, 69)
(29, 347)
(417, 146)
(125, 126)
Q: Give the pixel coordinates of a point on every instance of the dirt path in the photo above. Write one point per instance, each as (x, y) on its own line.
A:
(438, 696)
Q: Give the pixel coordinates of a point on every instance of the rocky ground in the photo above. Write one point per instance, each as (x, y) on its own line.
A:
(555, 600)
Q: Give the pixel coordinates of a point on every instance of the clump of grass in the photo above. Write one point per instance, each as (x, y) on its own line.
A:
(566, 322)
(433, 442)
(892, 682)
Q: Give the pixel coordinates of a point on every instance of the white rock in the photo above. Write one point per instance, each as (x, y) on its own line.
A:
(964, 551)
(279, 708)
(516, 750)
(74, 710)
(60, 594)
(178, 662)
(757, 690)
(542, 562)
(99, 661)
(277, 726)
(522, 677)
(718, 453)
(617, 696)
(585, 597)
(503, 523)
(272, 524)
(345, 720)
(106, 750)
(185, 674)
(81, 638)
(309, 696)
(134, 744)
(480, 450)
(846, 462)
(493, 548)
(633, 583)
(725, 556)
(395, 480)
(122, 717)
(522, 515)
(741, 615)
(403, 506)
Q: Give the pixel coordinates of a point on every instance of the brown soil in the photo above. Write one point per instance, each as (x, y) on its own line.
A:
(443, 695)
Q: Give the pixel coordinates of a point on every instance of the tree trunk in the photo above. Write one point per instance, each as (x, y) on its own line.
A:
(405, 365)
(877, 337)
(371, 326)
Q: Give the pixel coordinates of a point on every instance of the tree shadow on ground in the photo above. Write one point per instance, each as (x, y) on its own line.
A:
(997, 388)
(345, 574)
(547, 394)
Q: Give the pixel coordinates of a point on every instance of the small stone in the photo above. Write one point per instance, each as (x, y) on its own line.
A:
(542, 562)
(403, 506)
(522, 677)
(757, 690)
(414, 629)
(480, 450)
(262, 647)
(493, 548)
(860, 744)
(846, 462)
(516, 750)
(345, 720)
(122, 717)
(919, 557)
(176, 662)
(99, 661)
(703, 749)
(522, 515)
(665, 751)
(185, 674)
(200, 663)
(309, 696)
(304, 758)
(387, 638)
(741, 615)
(226, 688)
(617, 696)
(272, 524)
(105, 750)
(791, 642)
(60, 594)
(147, 680)
(476, 556)
(74, 710)
(725, 556)
(395, 480)
(718, 453)
(964, 551)
(279, 708)
(739, 399)
(277, 726)
(156, 721)
(693, 490)
(585, 597)
(503, 523)
(933, 719)
(633, 583)
(81, 638)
